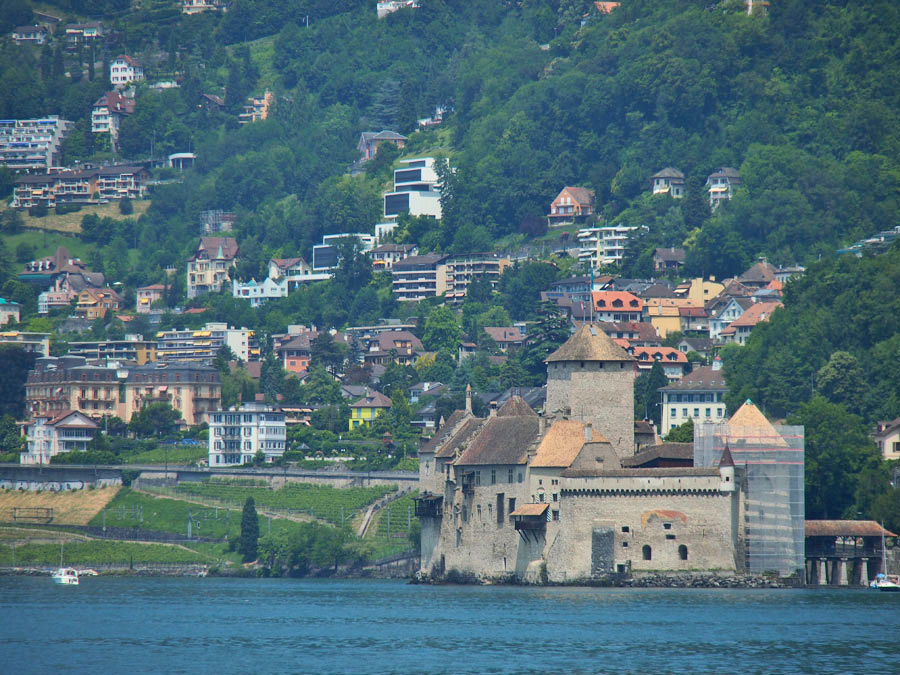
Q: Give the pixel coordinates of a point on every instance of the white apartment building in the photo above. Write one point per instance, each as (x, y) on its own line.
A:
(417, 190)
(202, 345)
(32, 145)
(603, 245)
(49, 436)
(236, 435)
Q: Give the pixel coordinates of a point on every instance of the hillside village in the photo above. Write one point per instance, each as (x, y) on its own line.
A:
(215, 246)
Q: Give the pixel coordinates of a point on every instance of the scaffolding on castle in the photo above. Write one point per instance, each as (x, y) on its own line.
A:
(772, 459)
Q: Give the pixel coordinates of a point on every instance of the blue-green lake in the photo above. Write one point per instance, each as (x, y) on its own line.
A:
(180, 625)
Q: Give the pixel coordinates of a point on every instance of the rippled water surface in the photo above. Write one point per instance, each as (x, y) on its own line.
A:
(159, 625)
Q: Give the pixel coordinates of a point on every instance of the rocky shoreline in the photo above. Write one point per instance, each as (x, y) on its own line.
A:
(641, 580)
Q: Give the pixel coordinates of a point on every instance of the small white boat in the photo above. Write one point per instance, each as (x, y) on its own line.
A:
(67, 576)
(889, 583)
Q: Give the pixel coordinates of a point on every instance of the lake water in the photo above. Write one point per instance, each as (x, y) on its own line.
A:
(180, 625)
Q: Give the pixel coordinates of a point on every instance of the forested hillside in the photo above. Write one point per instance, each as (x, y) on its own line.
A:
(544, 94)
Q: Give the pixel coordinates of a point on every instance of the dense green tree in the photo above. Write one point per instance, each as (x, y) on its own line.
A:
(249, 539)
(155, 420)
(683, 433)
(838, 449)
(15, 363)
(843, 380)
(442, 330)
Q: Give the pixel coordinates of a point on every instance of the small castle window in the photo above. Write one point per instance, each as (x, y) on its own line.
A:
(624, 544)
(667, 526)
(647, 553)
(670, 536)
(682, 552)
(625, 528)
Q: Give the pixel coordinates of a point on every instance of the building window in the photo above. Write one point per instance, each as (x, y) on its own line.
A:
(682, 552)
(493, 476)
(667, 526)
(555, 497)
(647, 552)
(673, 413)
(626, 529)
(556, 514)
(510, 476)
(708, 412)
(684, 412)
(477, 478)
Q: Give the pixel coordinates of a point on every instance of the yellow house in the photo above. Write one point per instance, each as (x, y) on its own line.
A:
(699, 291)
(664, 315)
(366, 409)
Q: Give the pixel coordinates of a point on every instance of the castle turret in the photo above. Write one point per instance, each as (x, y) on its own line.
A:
(726, 471)
(591, 378)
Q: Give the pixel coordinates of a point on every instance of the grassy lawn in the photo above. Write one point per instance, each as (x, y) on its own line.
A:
(45, 243)
(176, 455)
(319, 501)
(71, 222)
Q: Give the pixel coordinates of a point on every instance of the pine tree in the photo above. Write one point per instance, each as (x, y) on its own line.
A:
(247, 544)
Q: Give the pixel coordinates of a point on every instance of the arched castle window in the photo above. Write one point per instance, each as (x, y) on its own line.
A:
(647, 552)
(682, 552)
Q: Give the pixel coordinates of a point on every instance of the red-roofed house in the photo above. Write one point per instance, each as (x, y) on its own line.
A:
(572, 204)
(108, 112)
(615, 306)
(125, 69)
(739, 329)
(674, 362)
(48, 436)
(94, 303)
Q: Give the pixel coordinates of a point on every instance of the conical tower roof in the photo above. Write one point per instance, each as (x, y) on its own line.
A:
(589, 343)
(727, 459)
(748, 422)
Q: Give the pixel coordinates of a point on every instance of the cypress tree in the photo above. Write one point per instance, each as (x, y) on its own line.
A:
(249, 531)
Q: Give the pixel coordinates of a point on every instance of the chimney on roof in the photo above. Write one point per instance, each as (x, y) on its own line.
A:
(493, 408)
(469, 398)
(589, 432)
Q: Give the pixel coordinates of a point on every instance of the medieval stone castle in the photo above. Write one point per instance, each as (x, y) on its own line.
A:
(564, 496)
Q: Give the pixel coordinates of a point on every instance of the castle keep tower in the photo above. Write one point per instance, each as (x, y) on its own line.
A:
(591, 378)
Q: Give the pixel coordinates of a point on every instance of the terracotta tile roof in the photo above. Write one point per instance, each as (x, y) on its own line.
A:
(589, 343)
(701, 378)
(561, 444)
(756, 313)
(845, 528)
(617, 300)
(583, 196)
(530, 510)
(661, 354)
(750, 423)
(502, 440)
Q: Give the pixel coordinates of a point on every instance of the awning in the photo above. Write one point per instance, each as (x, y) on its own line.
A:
(530, 510)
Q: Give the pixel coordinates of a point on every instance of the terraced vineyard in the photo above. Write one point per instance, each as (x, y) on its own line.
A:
(336, 505)
(135, 509)
(393, 524)
(98, 553)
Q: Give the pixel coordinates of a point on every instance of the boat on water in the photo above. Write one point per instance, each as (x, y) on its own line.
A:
(66, 576)
(889, 583)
